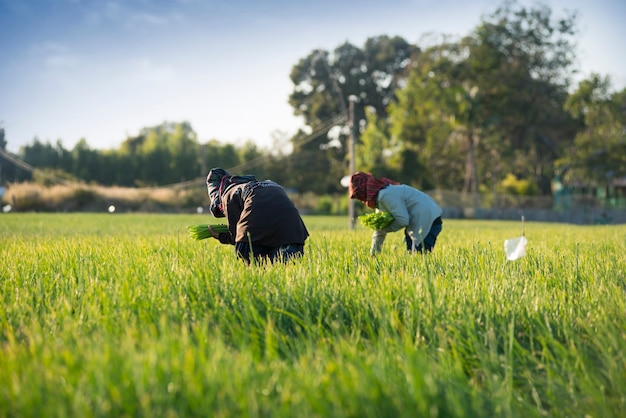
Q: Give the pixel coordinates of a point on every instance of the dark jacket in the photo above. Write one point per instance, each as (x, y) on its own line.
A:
(263, 210)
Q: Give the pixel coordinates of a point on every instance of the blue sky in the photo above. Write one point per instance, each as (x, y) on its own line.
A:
(104, 69)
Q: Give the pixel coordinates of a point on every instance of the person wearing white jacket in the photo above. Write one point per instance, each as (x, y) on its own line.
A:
(412, 209)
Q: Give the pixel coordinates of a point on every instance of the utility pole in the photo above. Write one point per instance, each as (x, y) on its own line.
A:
(351, 165)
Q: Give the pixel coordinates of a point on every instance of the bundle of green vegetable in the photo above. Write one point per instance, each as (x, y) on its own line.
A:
(201, 231)
(376, 220)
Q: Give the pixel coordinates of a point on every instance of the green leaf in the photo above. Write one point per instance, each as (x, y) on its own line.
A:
(376, 220)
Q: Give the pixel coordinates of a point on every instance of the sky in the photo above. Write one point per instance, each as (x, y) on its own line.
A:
(104, 69)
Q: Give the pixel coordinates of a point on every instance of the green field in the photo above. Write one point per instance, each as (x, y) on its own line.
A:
(125, 315)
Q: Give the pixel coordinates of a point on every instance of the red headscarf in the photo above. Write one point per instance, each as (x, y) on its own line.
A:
(365, 187)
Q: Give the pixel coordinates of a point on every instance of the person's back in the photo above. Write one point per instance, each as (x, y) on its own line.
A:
(264, 211)
(415, 200)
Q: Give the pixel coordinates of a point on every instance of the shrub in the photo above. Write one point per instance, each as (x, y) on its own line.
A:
(521, 187)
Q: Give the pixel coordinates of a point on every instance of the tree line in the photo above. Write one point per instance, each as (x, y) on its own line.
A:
(470, 114)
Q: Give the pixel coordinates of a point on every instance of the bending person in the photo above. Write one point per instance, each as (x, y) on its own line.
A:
(412, 209)
(262, 220)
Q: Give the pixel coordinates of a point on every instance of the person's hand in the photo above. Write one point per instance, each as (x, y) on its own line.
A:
(213, 233)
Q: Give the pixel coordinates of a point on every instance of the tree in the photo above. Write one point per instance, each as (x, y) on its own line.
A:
(221, 155)
(3, 145)
(3, 142)
(323, 82)
(376, 153)
(495, 97)
(598, 154)
(43, 156)
(428, 118)
(162, 154)
(86, 162)
(184, 152)
(251, 158)
(521, 60)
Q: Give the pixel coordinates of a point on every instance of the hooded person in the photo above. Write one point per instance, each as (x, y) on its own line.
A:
(412, 209)
(218, 180)
(263, 222)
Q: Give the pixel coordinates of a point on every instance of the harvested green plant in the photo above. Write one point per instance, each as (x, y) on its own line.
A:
(376, 220)
(201, 231)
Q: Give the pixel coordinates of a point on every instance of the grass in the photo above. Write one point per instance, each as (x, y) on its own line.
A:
(125, 315)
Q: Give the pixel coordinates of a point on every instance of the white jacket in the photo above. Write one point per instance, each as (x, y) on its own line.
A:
(411, 209)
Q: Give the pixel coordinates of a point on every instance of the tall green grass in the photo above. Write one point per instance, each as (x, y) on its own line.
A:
(125, 315)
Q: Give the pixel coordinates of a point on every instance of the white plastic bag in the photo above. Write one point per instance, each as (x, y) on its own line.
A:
(515, 248)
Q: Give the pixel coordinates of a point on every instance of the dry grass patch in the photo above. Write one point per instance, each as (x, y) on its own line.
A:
(26, 197)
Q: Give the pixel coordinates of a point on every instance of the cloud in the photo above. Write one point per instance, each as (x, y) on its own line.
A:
(120, 14)
(60, 61)
(147, 18)
(55, 56)
(145, 70)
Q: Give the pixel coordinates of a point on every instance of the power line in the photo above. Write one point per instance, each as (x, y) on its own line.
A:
(22, 164)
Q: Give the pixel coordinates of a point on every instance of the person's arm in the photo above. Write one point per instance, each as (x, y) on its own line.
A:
(378, 238)
(222, 237)
(232, 204)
